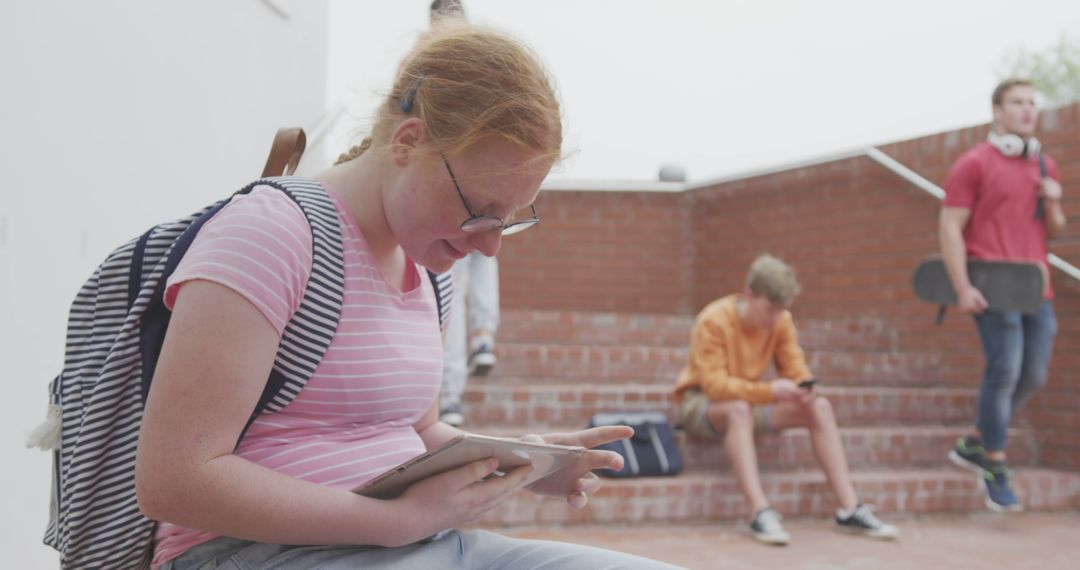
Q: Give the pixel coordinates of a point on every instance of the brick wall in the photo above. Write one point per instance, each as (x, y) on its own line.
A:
(602, 251)
(853, 229)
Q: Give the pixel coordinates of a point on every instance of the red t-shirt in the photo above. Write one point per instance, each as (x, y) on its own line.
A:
(1001, 193)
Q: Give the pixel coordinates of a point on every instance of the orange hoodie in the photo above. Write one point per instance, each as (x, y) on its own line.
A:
(727, 359)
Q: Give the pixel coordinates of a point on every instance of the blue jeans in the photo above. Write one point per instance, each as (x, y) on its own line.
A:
(1017, 349)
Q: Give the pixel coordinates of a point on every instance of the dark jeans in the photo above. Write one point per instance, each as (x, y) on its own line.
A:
(1017, 349)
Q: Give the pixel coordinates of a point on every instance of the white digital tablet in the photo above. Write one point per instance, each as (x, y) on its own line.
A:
(545, 459)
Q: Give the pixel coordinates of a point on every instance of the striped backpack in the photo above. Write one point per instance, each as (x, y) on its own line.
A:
(115, 331)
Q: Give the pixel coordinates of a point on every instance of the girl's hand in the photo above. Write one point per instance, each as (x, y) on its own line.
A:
(576, 481)
(456, 497)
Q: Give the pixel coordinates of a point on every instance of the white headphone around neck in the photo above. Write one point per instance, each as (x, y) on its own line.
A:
(1013, 145)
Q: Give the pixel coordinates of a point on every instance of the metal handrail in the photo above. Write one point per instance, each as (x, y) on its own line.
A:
(277, 9)
(936, 191)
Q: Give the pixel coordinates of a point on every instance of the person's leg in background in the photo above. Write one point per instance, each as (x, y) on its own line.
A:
(483, 309)
(1039, 332)
(455, 368)
(732, 422)
(1002, 336)
(818, 416)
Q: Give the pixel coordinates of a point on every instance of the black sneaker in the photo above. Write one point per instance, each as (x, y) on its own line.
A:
(451, 414)
(481, 360)
(969, 454)
(767, 528)
(1000, 497)
(863, 521)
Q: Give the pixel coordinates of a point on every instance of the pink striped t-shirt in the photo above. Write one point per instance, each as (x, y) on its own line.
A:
(355, 417)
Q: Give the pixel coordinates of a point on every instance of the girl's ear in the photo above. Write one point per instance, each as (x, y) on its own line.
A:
(408, 136)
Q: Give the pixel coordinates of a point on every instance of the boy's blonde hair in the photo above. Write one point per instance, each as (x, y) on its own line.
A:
(772, 278)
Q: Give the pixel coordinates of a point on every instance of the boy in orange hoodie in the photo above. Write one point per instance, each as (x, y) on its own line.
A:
(723, 397)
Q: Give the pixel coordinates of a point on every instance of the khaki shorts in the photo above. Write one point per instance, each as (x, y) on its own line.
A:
(695, 406)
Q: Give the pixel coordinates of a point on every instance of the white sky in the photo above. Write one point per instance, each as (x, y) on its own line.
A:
(724, 86)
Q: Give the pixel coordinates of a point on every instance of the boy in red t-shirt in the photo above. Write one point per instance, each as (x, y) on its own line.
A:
(1002, 201)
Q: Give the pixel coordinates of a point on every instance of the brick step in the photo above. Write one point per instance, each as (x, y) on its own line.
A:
(900, 447)
(857, 334)
(545, 405)
(851, 368)
(580, 327)
(708, 497)
(601, 363)
(673, 330)
(661, 365)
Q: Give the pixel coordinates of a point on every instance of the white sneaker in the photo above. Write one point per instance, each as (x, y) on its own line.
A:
(767, 528)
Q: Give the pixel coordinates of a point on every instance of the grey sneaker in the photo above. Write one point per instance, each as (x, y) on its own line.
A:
(451, 415)
(767, 528)
(481, 360)
(862, 521)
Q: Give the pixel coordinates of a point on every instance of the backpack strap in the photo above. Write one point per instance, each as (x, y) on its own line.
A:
(308, 333)
(155, 318)
(1040, 208)
(285, 153)
(443, 284)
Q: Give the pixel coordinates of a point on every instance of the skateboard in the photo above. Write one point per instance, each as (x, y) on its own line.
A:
(1006, 285)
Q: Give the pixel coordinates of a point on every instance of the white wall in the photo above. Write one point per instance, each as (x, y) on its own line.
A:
(115, 115)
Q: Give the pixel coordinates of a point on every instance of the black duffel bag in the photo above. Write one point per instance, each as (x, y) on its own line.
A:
(652, 450)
